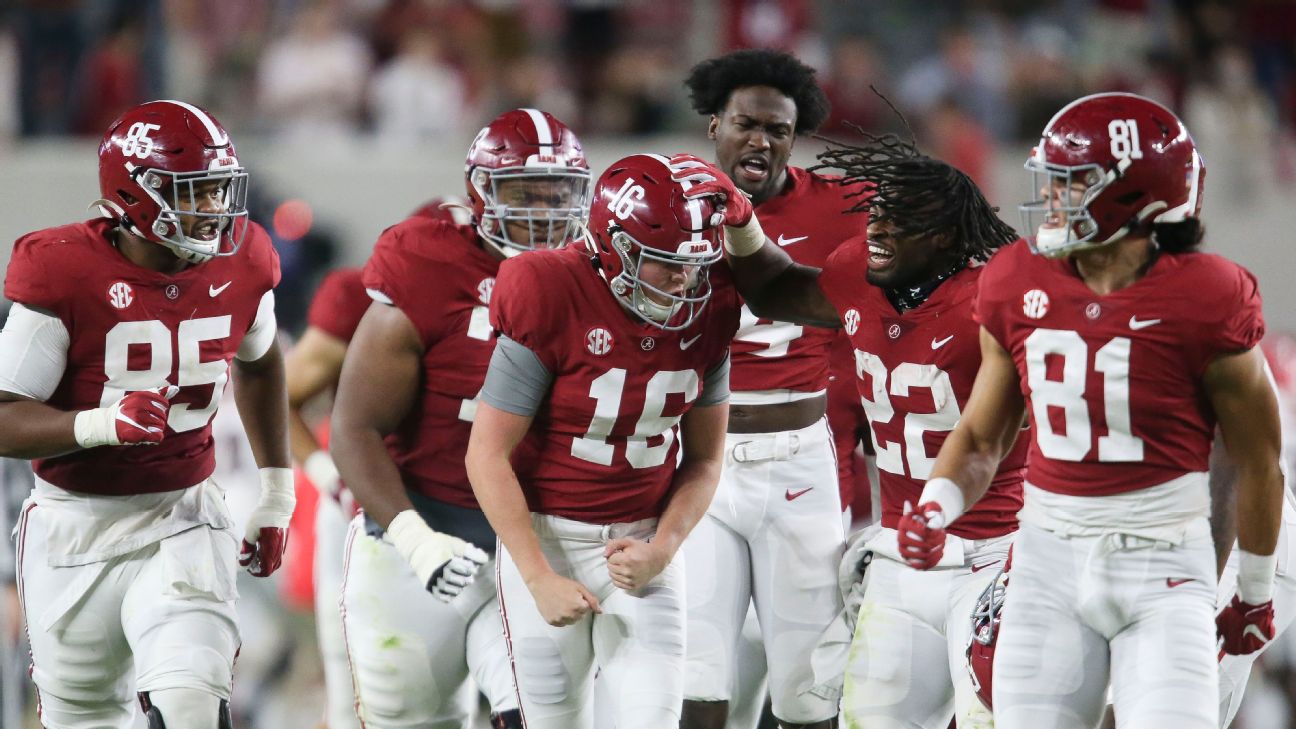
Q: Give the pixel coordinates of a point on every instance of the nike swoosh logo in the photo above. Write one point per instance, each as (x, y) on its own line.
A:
(686, 343)
(790, 495)
(1255, 630)
(785, 242)
(1135, 324)
(1176, 583)
(215, 291)
(979, 567)
(938, 343)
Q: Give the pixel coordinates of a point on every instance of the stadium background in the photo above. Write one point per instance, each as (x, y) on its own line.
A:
(351, 113)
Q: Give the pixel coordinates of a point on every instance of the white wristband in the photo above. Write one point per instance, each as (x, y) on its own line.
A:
(746, 240)
(1255, 578)
(322, 472)
(946, 494)
(97, 427)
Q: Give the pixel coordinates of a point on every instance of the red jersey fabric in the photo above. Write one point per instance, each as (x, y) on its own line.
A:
(605, 440)
(339, 303)
(132, 328)
(1114, 383)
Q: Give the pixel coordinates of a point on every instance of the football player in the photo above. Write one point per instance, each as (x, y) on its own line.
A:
(1125, 346)
(771, 538)
(903, 295)
(400, 425)
(112, 365)
(612, 361)
(314, 365)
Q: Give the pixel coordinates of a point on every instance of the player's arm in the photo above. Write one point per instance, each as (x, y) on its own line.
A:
(33, 358)
(379, 380)
(262, 399)
(969, 458)
(1246, 407)
(1223, 518)
(314, 365)
(516, 383)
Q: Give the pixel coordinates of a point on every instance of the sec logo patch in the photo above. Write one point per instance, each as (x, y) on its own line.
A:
(598, 341)
(120, 295)
(1035, 304)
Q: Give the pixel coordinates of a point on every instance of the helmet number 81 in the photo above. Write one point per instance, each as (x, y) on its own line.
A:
(1124, 139)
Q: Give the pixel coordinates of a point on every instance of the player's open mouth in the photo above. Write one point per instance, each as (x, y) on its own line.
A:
(879, 257)
(753, 168)
(205, 231)
(1054, 220)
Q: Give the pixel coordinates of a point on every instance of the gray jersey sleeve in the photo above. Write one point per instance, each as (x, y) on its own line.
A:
(715, 385)
(517, 382)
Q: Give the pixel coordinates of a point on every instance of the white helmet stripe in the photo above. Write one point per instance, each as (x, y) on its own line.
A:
(543, 133)
(217, 135)
(694, 206)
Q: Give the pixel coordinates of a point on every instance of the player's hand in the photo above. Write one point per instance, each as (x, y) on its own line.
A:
(323, 474)
(266, 537)
(633, 563)
(733, 206)
(445, 565)
(562, 601)
(922, 535)
(138, 418)
(1244, 628)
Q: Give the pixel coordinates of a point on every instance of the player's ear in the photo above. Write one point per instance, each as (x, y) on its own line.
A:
(713, 126)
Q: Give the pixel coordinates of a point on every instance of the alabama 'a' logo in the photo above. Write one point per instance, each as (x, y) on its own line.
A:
(120, 295)
(598, 341)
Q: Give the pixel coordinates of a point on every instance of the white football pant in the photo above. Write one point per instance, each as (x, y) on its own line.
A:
(773, 537)
(637, 643)
(411, 655)
(908, 665)
(1080, 611)
(158, 618)
(330, 557)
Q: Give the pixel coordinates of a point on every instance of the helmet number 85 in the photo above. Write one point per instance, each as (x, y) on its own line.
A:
(1124, 139)
(137, 141)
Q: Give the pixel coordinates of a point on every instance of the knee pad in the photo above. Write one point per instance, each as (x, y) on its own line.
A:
(541, 670)
(187, 708)
(511, 719)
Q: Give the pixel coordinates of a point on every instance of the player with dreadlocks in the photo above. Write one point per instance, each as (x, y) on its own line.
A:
(773, 533)
(904, 296)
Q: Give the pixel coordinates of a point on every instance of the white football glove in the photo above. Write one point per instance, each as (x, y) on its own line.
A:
(444, 564)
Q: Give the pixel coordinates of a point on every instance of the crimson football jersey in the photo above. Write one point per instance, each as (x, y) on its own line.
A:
(339, 303)
(132, 328)
(606, 438)
(1114, 383)
(808, 221)
(847, 420)
(915, 373)
(439, 276)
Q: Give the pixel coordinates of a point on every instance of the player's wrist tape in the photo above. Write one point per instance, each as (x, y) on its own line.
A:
(97, 427)
(278, 498)
(946, 494)
(745, 240)
(423, 547)
(322, 471)
(1256, 577)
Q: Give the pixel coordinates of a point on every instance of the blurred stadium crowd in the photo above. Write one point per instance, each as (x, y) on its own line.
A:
(970, 75)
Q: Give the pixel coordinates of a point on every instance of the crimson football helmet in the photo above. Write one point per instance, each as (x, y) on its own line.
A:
(1122, 162)
(526, 171)
(151, 162)
(640, 215)
(985, 633)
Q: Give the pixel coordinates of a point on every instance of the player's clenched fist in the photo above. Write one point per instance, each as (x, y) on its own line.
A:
(1244, 628)
(733, 207)
(562, 601)
(633, 563)
(138, 418)
(922, 535)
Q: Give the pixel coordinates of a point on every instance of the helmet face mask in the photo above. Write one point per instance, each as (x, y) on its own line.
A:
(637, 292)
(158, 164)
(1121, 162)
(984, 633)
(528, 182)
(526, 208)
